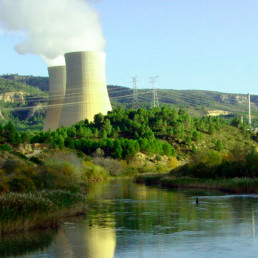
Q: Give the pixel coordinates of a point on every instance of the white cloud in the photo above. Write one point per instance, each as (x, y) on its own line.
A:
(52, 27)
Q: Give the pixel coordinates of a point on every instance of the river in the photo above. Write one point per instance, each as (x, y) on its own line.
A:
(130, 220)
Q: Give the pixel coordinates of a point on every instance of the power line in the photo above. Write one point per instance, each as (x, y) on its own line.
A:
(57, 97)
(64, 104)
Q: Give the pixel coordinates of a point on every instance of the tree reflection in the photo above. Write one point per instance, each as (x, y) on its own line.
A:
(19, 244)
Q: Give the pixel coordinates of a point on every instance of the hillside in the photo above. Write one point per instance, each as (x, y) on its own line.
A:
(36, 81)
(195, 99)
(22, 104)
(158, 135)
(196, 102)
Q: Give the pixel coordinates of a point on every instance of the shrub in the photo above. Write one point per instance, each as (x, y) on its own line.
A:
(20, 155)
(21, 183)
(113, 167)
(130, 171)
(4, 186)
(10, 166)
(172, 163)
(5, 147)
(210, 158)
(36, 160)
(59, 175)
(93, 172)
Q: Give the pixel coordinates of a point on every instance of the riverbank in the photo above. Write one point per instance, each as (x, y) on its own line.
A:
(42, 209)
(233, 185)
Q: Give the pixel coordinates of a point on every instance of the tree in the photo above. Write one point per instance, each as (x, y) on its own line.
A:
(118, 151)
(212, 129)
(107, 126)
(188, 140)
(196, 136)
(236, 122)
(219, 145)
(167, 150)
(103, 133)
(98, 119)
(10, 133)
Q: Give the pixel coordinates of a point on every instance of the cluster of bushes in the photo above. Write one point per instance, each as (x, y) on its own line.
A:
(238, 163)
(235, 185)
(35, 174)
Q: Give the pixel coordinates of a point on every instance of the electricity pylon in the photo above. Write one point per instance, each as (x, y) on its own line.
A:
(249, 109)
(135, 93)
(155, 102)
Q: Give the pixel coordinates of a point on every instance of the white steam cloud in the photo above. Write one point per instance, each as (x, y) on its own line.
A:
(52, 28)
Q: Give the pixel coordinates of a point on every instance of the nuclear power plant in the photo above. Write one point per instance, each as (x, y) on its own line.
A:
(57, 85)
(85, 92)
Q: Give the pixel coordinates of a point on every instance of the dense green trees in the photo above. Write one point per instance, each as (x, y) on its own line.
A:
(122, 133)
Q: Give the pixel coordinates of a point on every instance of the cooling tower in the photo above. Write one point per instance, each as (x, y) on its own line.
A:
(86, 90)
(57, 84)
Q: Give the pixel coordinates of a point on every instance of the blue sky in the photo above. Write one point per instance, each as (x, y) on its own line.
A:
(190, 44)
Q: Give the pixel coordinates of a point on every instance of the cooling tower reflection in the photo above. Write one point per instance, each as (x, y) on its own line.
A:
(86, 240)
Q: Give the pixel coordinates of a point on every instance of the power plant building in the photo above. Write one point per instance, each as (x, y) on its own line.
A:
(57, 85)
(86, 91)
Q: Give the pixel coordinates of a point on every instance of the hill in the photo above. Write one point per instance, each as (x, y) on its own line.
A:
(36, 81)
(22, 104)
(196, 102)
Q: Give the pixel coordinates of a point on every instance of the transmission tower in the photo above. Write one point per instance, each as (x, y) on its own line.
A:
(155, 102)
(249, 109)
(135, 93)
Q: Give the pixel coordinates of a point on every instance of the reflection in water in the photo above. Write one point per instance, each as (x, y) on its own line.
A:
(129, 220)
(19, 244)
(100, 242)
(84, 239)
(253, 223)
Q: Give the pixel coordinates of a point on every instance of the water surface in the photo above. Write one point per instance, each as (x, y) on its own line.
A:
(130, 220)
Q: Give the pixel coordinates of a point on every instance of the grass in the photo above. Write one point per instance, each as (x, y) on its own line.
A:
(149, 179)
(234, 185)
(43, 209)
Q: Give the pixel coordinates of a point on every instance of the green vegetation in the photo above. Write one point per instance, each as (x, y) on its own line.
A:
(39, 191)
(23, 211)
(235, 185)
(39, 82)
(235, 171)
(123, 133)
(239, 162)
(157, 133)
(22, 104)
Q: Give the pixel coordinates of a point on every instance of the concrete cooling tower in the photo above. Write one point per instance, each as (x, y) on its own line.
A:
(86, 90)
(57, 84)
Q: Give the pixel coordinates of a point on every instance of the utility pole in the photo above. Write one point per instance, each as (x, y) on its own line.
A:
(135, 93)
(154, 91)
(249, 109)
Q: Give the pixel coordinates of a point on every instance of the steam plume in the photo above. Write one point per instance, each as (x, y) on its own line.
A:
(52, 27)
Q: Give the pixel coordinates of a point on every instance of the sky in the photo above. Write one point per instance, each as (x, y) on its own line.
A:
(190, 44)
